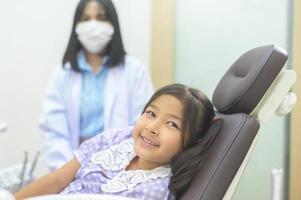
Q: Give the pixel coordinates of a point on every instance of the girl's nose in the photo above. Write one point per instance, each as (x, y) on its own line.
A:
(153, 127)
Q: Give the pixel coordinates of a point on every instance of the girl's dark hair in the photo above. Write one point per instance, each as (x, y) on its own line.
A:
(198, 113)
(114, 50)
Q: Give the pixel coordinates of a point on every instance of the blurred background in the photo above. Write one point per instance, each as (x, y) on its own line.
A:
(192, 42)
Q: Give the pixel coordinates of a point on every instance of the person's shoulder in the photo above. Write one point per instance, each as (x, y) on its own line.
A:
(120, 134)
(131, 59)
(62, 72)
(108, 138)
(112, 133)
(133, 66)
(132, 62)
(59, 70)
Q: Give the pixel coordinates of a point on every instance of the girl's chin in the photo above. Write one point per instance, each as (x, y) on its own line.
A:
(142, 151)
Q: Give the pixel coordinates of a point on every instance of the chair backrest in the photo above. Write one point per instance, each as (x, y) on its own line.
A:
(237, 94)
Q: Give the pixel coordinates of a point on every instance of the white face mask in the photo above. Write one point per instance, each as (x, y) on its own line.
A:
(94, 35)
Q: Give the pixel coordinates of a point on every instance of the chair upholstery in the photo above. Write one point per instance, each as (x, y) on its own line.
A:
(235, 97)
(224, 157)
(248, 79)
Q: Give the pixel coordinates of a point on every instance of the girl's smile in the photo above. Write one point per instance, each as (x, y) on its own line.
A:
(148, 142)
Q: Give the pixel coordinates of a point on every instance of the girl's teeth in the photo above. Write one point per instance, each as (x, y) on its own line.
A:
(148, 141)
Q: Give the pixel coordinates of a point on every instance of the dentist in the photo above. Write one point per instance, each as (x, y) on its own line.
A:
(97, 87)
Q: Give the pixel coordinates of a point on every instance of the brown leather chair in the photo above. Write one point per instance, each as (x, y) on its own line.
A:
(237, 96)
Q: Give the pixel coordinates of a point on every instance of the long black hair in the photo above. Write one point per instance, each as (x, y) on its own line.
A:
(198, 113)
(114, 50)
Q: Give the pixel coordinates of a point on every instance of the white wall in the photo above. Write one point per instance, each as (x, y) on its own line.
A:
(135, 20)
(33, 37)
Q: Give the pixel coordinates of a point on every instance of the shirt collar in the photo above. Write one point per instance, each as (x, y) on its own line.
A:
(116, 158)
(84, 65)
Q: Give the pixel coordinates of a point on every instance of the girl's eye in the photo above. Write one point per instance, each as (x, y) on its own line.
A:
(174, 125)
(150, 113)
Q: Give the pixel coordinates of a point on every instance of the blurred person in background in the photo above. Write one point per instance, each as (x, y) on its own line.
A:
(98, 86)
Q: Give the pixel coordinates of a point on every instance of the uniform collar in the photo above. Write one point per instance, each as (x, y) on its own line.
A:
(84, 65)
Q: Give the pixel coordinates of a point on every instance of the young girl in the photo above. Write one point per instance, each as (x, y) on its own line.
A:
(156, 159)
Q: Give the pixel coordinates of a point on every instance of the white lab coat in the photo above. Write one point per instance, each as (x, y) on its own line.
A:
(127, 90)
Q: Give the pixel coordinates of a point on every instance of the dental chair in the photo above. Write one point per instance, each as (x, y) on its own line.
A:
(254, 88)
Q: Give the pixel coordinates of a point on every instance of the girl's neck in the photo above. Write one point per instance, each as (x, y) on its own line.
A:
(138, 163)
(95, 61)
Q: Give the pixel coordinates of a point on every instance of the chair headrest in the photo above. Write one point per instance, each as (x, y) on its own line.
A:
(248, 79)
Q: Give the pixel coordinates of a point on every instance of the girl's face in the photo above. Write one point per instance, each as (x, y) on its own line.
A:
(157, 133)
(94, 11)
